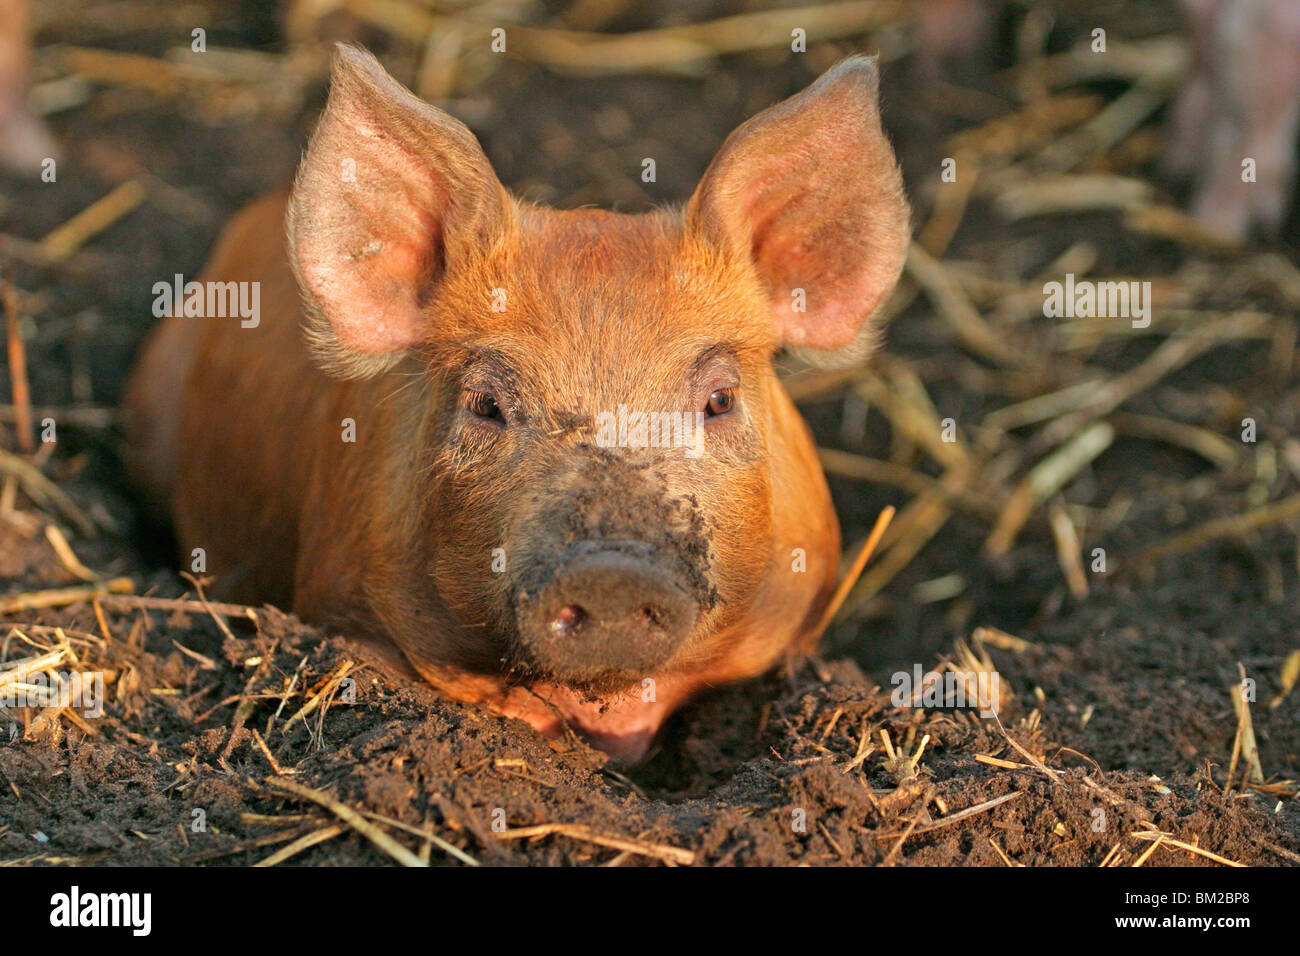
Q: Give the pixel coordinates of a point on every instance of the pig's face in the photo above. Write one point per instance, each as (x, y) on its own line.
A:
(605, 443)
(590, 475)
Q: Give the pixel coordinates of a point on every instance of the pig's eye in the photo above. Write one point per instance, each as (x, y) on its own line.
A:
(483, 405)
(721, 401)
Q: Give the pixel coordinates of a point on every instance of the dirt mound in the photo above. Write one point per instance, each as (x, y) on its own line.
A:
(202, 730)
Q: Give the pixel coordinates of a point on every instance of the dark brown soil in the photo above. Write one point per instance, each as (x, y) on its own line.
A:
(1121, 701)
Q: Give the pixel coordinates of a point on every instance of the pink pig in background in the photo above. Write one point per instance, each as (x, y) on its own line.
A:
(24, 140)
(1240, 100)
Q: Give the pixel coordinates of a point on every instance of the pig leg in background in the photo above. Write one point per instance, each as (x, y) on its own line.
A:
(24, 140)
(1242, 99)
(949, 30)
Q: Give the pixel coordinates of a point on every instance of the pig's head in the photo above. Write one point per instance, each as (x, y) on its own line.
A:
(588, 408)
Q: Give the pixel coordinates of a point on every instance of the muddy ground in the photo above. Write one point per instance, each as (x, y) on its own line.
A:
(1116, 723)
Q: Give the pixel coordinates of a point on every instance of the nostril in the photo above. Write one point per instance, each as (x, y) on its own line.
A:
(603, 611)
(568, 618)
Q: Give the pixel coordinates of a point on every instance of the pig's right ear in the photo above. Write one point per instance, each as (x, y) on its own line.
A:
(809, 191)
(390, 191)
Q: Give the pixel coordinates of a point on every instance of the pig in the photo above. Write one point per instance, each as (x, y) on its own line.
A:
(945, 31)
(24, 140)
(1240, 101)
(427, 439)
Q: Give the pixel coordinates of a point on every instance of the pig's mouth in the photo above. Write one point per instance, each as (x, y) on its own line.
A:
(621, 724)
(620, 720)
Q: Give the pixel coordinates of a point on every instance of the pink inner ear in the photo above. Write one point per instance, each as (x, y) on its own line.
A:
(811, 190)
(844, 270)
(841, 277)
(375, 244)
(372, 296)
(387, 185)
(803, 240)
(371, 270)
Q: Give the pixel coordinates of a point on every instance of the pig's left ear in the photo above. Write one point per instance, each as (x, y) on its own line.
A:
(391, 194)
(810, 190)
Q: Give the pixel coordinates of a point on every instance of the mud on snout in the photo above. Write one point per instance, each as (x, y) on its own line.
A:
(613, 575)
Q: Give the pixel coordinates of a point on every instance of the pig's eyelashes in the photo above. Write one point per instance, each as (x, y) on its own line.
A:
(484, 405)
(721, 401)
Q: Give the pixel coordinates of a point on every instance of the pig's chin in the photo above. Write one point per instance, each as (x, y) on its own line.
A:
(621, 723)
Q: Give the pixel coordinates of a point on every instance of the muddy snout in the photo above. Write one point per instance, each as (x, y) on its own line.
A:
(608, 607)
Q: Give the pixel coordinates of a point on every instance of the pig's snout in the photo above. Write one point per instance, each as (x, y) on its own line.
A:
(607, 608)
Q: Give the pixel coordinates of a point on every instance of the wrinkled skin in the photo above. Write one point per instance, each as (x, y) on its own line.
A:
(478, 477)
